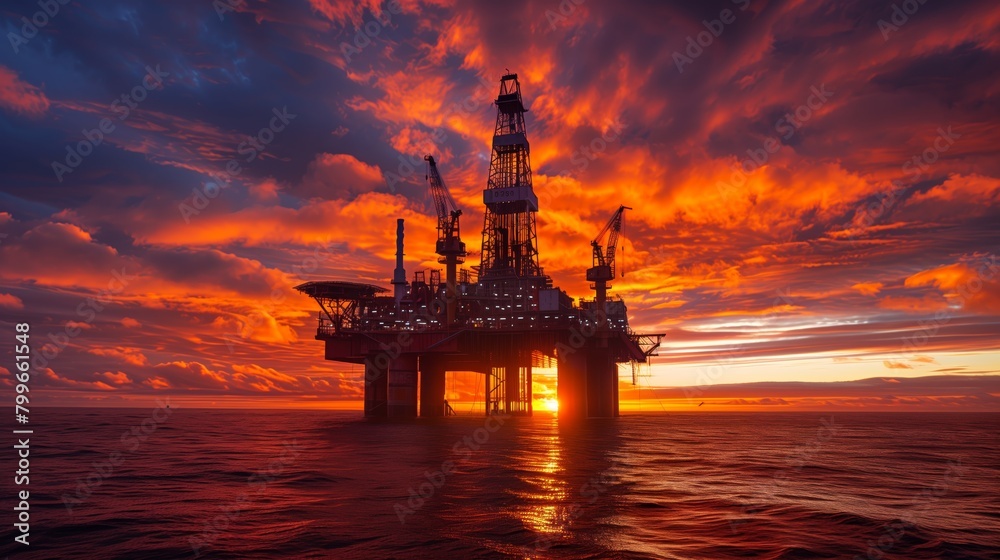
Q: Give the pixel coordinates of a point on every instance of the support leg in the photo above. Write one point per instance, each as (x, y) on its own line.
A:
(432, 387)
(402, 389)
(376, 390)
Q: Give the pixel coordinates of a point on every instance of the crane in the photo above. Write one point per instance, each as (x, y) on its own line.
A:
(603, 270)
(449, 243)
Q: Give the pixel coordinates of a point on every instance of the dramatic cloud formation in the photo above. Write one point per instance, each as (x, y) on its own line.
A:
(816, 192)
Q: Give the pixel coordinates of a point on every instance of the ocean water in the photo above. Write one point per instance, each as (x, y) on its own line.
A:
(307, 484)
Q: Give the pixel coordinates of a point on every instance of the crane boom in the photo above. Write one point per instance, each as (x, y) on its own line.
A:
(446, 207)
(604, 257)
(449, 243)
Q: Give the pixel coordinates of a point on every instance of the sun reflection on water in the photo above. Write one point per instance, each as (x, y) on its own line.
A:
(540, 508)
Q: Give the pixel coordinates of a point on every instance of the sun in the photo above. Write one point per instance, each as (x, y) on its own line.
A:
(552, 405)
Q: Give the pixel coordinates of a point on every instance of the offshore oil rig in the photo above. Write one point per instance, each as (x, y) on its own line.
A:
(501, 319)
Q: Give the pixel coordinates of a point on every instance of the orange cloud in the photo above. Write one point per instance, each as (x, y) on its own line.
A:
(975, 285)
(124, 354)
(157, 382)
(896, 365)
(11, 301)
(867, 288)
(59, 254)
(346, 12)
(339, 176)
(117, 378)
(50, 378)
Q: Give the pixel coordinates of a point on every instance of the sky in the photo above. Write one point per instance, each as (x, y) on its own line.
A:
(815, 188)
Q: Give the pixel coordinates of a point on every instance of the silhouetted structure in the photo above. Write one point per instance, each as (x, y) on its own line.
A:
(502, 323)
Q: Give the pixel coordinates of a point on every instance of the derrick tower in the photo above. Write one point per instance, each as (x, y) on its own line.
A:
(510, 244)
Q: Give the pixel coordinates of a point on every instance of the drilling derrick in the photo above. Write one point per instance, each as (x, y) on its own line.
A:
(450, 246)
(510, 245)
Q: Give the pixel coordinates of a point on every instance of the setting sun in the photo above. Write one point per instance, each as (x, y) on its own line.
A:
(551, 405)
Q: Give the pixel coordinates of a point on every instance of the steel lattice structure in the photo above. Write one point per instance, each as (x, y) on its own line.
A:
(510, 244)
